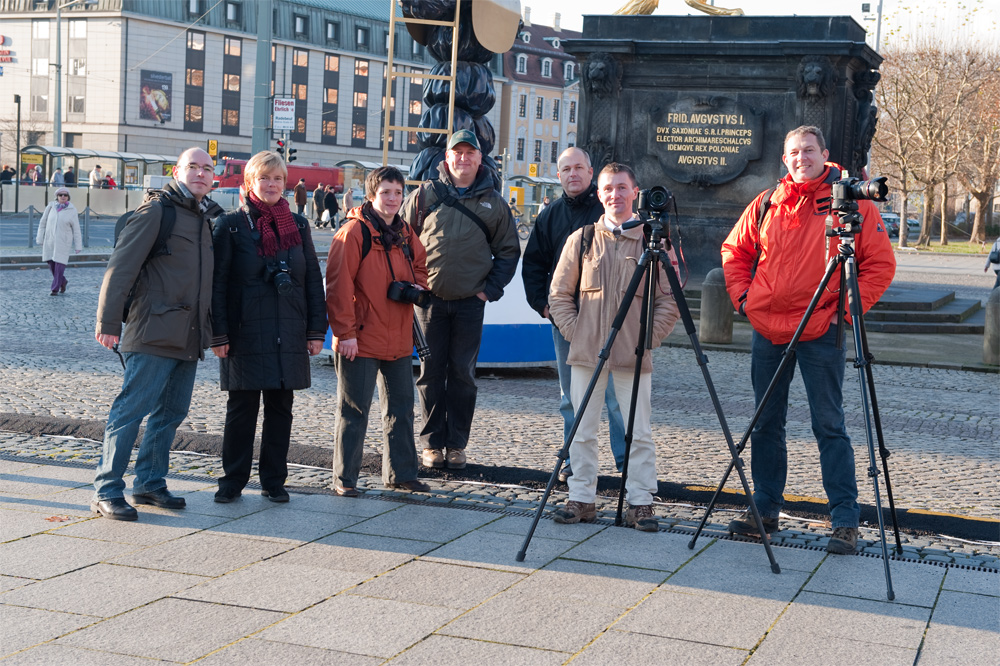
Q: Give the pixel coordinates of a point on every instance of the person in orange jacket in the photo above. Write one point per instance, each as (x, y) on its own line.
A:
(372, 326)
(773, 267)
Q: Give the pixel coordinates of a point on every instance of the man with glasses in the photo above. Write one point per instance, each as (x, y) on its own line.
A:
(166, 331)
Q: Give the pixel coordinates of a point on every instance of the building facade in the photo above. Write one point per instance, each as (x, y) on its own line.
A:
(157, 76)
(541, 98)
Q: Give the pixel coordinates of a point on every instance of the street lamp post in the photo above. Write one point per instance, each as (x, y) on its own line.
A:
(17, 164)
(57, 123)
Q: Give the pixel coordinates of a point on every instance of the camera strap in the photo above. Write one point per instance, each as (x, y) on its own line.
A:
(446, 198)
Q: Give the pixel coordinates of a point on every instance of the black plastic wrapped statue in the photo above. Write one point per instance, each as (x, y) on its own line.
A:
(485, 27)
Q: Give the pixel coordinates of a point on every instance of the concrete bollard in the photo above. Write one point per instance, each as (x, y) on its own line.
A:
(991, 332)
(716, 309)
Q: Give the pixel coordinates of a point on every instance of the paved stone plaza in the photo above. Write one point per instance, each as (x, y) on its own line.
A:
(432, 578)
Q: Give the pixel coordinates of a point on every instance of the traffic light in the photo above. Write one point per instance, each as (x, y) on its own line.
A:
(291, 154)
(281, 148)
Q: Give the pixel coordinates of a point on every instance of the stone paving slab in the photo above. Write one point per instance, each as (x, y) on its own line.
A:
(412, 522)
(62, 655)
(283, 523)
(152, 528)
(964, 629)
(43, 556)
(172, 629)
(497, 550)
(23, 627)
(187, 554)
(619, 647)
(853, 576)
(435, 584)
(254, 651)
(450, 651)
(792, 650)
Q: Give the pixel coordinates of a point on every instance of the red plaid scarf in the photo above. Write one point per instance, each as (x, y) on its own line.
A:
(277, 217)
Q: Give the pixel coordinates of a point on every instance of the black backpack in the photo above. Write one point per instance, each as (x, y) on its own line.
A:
(168, 216)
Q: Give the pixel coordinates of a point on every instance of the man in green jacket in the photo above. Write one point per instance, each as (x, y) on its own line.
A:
(167, 330)
(472, 254)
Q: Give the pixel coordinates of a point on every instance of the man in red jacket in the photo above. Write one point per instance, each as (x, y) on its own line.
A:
(790, 250)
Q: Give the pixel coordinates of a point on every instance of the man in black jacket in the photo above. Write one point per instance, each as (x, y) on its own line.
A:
(331, 206)
(576, 208)
(318, 194)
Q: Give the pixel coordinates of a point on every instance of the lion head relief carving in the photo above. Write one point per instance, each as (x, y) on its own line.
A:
(814, 78)
(601, 75)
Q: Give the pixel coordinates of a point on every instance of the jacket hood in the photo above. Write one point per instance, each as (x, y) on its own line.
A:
(173, 191)
(585, 199)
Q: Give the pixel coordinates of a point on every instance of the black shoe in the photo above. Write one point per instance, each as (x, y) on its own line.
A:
(565, 473)
(415, 486)
(161, 498)
(745, 524)
(115, 509)
(227, 495)
(278, 494)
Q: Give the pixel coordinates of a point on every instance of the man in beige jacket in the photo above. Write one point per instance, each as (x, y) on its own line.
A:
(586, 293)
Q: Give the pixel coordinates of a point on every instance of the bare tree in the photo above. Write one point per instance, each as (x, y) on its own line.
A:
(32, 131)
(924, 99)
(979, 169)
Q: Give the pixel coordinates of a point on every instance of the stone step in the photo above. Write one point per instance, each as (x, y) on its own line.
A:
(953, 312)
(975, 324)
(896, 298)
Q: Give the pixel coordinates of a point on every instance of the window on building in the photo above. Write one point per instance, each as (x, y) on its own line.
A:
(332, 63)
(231, 82)
(78, 29)
(361, 100)
(569, 70)
(40, 29)
(521, 66)
(520, 150)
(233, 47)
(192, 113)
(358, 131)
(415, 107)
(332, 35)
(231, 117)
(330, 128)
(196, 41)
(301, 25)
(300, 124)
(76, 104)
(194, 7)
(540, 108)
(555, 109)
(234, 12)
(77, 67)
(417, 49)
(39, 103)
(300, 58)
(572, 112)
(194, 77)
(547, 67)
(360, 68)
(40, 66)
(554, 157)
(362, 38)
(331, 96)
(538, 150)
(299, 91)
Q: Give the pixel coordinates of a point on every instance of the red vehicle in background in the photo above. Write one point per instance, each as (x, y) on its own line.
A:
(229, 173)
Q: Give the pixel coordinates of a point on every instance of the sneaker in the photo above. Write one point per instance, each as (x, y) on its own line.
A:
(641, 518)
(745, 524)
(433, 458)
(843, 540)
(565, 473)
(575, 512)
(455, 458)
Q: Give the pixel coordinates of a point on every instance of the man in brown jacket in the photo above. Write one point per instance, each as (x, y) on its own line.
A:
(167, 330)
(301, 196)
(586, 291)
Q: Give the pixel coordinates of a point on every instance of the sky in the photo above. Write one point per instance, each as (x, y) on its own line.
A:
(957, 20)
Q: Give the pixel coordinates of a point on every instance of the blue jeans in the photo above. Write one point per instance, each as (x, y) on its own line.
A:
(822, 366)
(154, 385)
(615, 422)
(447, 382)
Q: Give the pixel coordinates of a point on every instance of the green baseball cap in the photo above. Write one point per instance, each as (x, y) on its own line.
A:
(464, 136)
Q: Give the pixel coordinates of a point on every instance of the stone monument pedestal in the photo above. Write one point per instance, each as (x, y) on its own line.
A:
(701, 105)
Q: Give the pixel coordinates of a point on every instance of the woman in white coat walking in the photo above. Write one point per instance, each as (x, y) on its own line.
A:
(58, 233)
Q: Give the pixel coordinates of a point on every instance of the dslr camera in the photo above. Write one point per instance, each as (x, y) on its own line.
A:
(281, 276)
(848, 189)
(407, 292)
(654, 201)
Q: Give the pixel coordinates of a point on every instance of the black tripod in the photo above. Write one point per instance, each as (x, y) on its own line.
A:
(847, 210)
(651, 258)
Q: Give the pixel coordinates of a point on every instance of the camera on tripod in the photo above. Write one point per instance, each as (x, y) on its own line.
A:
(844, 195)
(654, 201)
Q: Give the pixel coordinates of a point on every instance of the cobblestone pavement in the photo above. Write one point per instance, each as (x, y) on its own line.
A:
(941, 425)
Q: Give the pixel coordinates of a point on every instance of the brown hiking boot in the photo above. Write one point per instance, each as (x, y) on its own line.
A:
(745, 524)
(433, 458)
(575, 512)
(455, 459)
(641, 518)
(843, 540)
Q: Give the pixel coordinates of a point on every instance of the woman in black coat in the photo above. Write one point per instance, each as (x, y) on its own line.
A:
(268, 318)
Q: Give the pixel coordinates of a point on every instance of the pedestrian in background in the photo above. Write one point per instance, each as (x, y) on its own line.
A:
(58, 233)
(301, 196)
(70, 177)
(994, 261)
(96, 177)
(331, 206)
(57, 179)
(318, 208)
(374, 332)
(268, 318)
